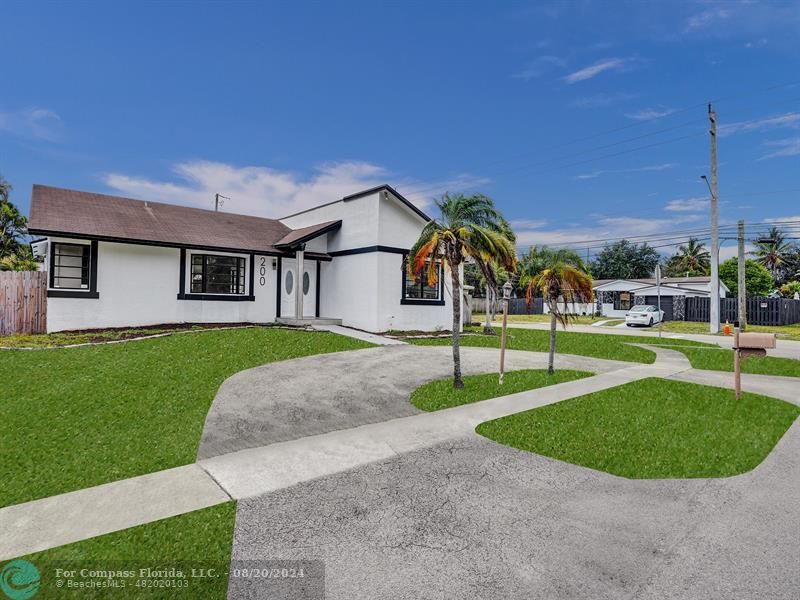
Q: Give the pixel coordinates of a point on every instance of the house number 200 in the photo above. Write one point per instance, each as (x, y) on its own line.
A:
(262, 272)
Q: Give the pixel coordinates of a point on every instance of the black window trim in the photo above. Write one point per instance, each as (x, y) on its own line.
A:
(420, 301)
(248, 296)
(90, 293)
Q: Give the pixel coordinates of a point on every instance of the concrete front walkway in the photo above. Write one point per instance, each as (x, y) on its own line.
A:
(293, 399)
(469, 518)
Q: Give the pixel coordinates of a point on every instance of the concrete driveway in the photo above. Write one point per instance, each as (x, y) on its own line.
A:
(308, 396)
(473, 519)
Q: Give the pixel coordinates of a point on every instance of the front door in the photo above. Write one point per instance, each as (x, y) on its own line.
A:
(291, 282)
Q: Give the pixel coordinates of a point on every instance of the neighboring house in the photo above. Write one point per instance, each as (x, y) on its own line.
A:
(615, 297)
(116, 262)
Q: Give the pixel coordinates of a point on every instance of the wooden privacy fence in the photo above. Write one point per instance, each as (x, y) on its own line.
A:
(23, 302)
(760, 311)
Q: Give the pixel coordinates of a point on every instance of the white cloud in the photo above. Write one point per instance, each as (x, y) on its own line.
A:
(731, 250)
(648, 114)
(598, 100)
(790, 120)
(539, 67)
(37, 123)
(266, 192)
(609, 64)
(528, 223)
(687, 204)
(795, 218)
(757, 44)
(595, 174)
(602, 227)
(787, 147)
(706, 18)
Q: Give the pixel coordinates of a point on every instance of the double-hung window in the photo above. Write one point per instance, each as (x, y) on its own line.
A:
(70, 266)
(417, 291)
(214, 274)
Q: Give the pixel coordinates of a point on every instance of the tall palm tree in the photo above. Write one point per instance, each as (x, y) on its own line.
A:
(774, 254)
(561, 283)
(693, 257)
(468, 226)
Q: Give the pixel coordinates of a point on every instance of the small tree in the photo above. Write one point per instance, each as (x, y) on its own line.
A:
(560, 282)
(757, 279)
(12, 223)
(468, 226)
(774, 255)
(21, 260)
(625, 260)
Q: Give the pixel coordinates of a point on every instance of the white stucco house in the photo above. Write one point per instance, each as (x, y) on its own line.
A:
(615, 297)
(118, 262)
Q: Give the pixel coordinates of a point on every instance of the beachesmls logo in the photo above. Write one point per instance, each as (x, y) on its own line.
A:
(19, 579)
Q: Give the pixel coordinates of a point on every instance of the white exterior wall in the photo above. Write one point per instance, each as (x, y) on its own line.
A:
(364, 290)
(572, 308)
(138, 285)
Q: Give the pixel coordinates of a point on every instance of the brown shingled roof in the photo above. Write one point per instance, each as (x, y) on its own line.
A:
(60, 211)
(298, 236)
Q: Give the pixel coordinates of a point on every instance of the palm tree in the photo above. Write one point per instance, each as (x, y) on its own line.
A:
(774, 254)
(560, 281)
(468, 227)
(693, 257)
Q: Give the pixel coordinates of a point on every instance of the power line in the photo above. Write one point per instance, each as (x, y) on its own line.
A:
(437, 186)
(699, 234)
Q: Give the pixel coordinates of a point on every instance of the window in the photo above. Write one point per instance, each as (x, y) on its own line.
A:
(213, 274)
(289, 282)
(70, 265)
(306, 283)
(623, 300)
(417, 291)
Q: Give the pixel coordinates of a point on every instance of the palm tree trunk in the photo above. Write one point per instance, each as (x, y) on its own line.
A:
(487, 327)
(551, 357)
(457, 382)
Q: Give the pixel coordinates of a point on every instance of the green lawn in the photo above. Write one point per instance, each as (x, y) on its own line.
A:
(440, 394)
(78, 417)
(200, 539)
(617, 347)
(721, 359)
(786, 332)
(68, 338)
(579, 319)
(596, 345)
(651, 429)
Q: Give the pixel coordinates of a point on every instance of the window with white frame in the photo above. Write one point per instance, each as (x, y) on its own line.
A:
(217, 274)
(70, 266)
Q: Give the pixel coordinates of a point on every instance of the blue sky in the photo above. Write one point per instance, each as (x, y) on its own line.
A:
(284, 105)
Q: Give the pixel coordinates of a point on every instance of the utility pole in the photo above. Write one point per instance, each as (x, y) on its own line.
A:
(217, 203)
(741, 282)
(714, 313)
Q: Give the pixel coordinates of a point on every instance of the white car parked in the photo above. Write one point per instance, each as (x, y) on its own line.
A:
(646, 314)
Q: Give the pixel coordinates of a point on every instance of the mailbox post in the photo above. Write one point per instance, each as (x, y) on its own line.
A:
(744, 345)
(507, 287)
